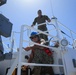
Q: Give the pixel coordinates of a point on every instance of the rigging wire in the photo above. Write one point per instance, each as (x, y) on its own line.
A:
(51, 7)
(53, 15)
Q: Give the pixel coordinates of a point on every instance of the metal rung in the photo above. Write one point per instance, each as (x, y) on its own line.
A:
(34, 64)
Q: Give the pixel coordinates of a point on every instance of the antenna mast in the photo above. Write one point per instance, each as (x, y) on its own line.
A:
(52, 8)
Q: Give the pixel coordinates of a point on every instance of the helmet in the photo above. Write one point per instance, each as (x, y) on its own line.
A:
(33, 34)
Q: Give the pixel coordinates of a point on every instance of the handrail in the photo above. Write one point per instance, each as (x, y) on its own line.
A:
(72, 34)
(66, 27)
(21, 43)
(40, 31)
(35, 64)
(40, 44)
(47, 23)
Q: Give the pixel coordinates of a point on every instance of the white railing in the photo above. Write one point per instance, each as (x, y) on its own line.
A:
(51, 30)
(48, 34)
(71, 35)
(20, 49)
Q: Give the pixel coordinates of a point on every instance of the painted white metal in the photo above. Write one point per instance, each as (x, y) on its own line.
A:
(60, 53)
(63, 60)
(14, 65)
(54, 21)
(21, 45)
(4, 65)
(69, 55)
(21, 40)
(20, 51)
(28, 27)
(66, 27)
(71, 35)
(74, 44)
(35, 64)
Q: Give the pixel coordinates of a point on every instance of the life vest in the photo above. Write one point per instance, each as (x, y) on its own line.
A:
(48, 51)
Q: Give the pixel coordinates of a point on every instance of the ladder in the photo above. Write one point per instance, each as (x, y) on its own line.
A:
(18, 61)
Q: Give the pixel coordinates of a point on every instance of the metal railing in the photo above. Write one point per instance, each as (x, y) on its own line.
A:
(20, 49)
(56, 38)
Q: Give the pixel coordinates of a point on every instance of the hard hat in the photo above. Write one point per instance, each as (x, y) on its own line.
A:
(33, 34)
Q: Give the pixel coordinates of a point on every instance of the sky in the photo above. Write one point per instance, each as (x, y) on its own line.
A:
(23, 12)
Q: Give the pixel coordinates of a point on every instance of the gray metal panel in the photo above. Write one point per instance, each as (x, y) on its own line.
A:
(5, 26)
(2, 2)
(6, 56)
(1, 46)
(2, 57)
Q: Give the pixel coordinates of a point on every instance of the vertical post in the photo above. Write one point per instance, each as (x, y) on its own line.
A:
(63, 60)
(54, 20)
(71, 35)
(20, 51)
(12, 42)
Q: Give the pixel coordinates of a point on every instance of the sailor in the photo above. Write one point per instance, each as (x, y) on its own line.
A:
(39, 55)
(41, 19)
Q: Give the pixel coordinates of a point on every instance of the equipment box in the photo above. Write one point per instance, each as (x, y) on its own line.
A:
(5, 26)
(2, 2)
